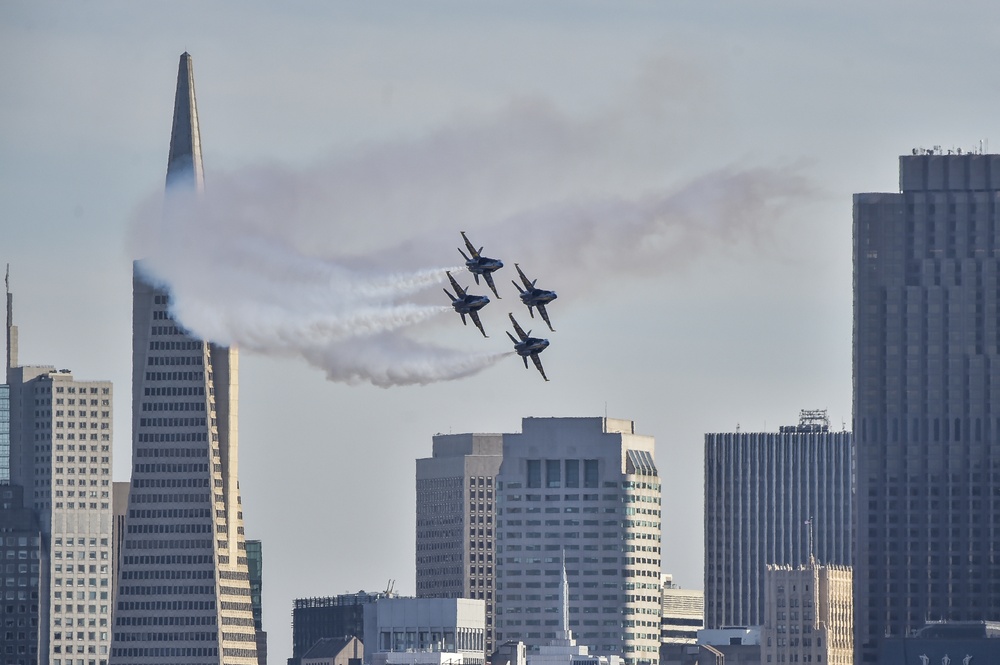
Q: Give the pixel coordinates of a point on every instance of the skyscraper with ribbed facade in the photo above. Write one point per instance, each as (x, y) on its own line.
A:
(586, 489)
(183, 594)
(456, 515)
(927, 397)
(770, 498)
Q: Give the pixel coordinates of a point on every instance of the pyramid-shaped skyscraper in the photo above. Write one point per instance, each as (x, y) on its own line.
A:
(183, 592)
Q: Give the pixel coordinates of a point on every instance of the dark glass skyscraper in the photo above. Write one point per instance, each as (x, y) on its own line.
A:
(927, 397)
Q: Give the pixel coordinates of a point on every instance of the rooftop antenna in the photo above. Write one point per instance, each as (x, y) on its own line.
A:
(809, 532)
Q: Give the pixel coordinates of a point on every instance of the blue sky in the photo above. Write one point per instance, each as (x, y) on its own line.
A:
(407, 122)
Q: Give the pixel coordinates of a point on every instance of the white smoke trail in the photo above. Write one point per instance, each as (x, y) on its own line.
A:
(328, 262)
(259, 294)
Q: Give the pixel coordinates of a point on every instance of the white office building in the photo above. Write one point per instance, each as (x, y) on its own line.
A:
(586, 489)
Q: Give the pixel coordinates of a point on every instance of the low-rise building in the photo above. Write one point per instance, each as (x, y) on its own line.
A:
(425, 631)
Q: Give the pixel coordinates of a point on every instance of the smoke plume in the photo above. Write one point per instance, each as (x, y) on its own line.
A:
(329, 262)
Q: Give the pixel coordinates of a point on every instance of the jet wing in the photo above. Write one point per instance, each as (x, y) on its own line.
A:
(458, 289)
(545, 316)
(489, 280)
(524, 280)
(538, 365)
(472, 250)
(520, 333)
(479, 324)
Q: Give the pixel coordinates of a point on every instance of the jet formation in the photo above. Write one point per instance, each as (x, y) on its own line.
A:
(532, 297)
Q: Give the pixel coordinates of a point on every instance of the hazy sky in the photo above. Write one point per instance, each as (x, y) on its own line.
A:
(680, 172)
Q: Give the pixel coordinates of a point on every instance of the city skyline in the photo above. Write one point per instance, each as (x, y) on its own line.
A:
(738, 329)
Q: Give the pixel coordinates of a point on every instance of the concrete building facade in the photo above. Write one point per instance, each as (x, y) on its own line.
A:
(808, 615)
(456, 520)
(927, 397)
(184, 588)
(425, 631)
(770, 498)
(586, 488)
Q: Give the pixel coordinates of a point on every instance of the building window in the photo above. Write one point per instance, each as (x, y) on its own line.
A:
(553, 473)
(534, 473)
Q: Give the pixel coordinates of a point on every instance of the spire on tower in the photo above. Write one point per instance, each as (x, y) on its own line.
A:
(184, 159)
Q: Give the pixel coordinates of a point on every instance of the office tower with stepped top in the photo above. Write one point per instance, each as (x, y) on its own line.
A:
(927, 397)
(183, 593)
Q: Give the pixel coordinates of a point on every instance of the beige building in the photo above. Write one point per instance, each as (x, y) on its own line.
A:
(808, 615)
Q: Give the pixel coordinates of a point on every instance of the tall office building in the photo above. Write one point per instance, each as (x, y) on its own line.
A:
(184, 588)
(586, 488)
(60, 454)
(927, 397)
(456, 542)
(767, 494)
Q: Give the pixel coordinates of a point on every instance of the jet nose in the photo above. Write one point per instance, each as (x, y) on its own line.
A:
(545, 343)
(499, 263)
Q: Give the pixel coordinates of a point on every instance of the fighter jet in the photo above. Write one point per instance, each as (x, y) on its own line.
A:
(534, 297)
(528, 346)
(466, 303)
(480, 265)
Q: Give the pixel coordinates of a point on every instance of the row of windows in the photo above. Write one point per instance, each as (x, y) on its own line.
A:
(562, 473)
(171, 468)
(169, 528)
(93, 390)
(165, 559)
(71, 413)
(165, 590)
(173, 406)
(167, 544)
(175, 360)
(167, 605)
(171, 512)
(168, 574)
(163, 652)
(173, 437)
(169, 498)
(72, 425)
(170, 482)
(171, 452)
(172, 422)
(185, 345)
(173, 391)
